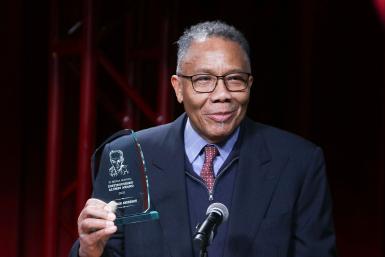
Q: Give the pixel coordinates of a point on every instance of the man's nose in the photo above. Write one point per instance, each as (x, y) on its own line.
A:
(221, 93)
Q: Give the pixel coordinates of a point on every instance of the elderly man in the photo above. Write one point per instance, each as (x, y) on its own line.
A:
(272, 182)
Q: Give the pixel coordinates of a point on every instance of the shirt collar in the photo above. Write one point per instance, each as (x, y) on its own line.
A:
(194, 143)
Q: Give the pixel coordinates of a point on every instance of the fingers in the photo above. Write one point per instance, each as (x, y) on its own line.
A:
(96, 212)
(96, 215)
(95, 226)
(113, 205)
(101, 234)
(95, 201)
(96, 208)
(93, 244)
(90, 225)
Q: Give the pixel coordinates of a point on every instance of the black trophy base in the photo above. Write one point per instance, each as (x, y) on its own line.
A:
(142, 217)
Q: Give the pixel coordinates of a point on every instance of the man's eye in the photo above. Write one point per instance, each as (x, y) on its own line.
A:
(203, 79)
(235, 78)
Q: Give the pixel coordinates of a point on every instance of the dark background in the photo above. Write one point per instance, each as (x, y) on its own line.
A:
(319, 68)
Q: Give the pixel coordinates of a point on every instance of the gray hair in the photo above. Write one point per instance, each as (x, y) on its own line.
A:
(114, 154)
(210, 29)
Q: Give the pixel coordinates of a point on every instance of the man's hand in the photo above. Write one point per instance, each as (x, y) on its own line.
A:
(95, 226)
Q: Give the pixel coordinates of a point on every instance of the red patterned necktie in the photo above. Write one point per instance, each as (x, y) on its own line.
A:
(207, 172)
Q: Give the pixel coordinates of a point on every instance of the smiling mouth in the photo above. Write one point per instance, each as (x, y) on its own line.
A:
(221, 116)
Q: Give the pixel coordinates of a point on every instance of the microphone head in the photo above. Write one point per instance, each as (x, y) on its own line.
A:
(219, 208)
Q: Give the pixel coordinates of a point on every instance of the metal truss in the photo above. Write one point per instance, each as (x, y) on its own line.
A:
(68, 186)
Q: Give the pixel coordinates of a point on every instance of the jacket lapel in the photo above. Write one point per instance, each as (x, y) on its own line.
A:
(255, 184)
(168, 192)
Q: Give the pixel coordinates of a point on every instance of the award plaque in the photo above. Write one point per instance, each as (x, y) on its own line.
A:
(121, 177)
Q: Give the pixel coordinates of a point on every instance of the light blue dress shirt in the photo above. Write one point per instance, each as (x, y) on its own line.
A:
(193, 144)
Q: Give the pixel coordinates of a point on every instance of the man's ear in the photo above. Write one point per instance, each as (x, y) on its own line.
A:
(178, 88)
(251, 80)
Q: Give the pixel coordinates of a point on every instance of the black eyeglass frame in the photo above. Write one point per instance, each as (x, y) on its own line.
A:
(216, 83)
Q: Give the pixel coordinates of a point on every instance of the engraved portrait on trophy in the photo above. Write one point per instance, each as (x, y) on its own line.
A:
(117, 161)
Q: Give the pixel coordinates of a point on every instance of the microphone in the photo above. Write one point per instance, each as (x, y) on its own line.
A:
(217, 213)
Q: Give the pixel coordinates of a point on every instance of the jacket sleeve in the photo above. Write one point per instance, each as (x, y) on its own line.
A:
(114, 247)
(74, 252)
(313, 224)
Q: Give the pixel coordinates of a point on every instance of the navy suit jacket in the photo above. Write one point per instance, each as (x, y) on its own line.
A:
(281, 204)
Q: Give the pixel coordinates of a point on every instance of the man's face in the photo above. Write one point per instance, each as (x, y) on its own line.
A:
(217, 114)
(117, 162)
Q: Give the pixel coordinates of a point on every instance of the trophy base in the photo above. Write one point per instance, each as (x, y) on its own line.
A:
(152, 215)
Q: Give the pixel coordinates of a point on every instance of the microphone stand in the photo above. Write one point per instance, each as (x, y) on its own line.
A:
(203, 252)
(203, 241)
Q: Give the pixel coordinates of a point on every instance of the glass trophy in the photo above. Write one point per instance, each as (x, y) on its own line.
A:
(121, 177)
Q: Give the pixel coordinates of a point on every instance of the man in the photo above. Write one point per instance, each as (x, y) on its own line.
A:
(272, 182)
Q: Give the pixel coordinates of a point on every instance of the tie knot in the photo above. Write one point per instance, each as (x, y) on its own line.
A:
(211, 152)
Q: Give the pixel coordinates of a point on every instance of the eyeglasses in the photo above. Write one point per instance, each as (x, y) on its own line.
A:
(206, 83)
